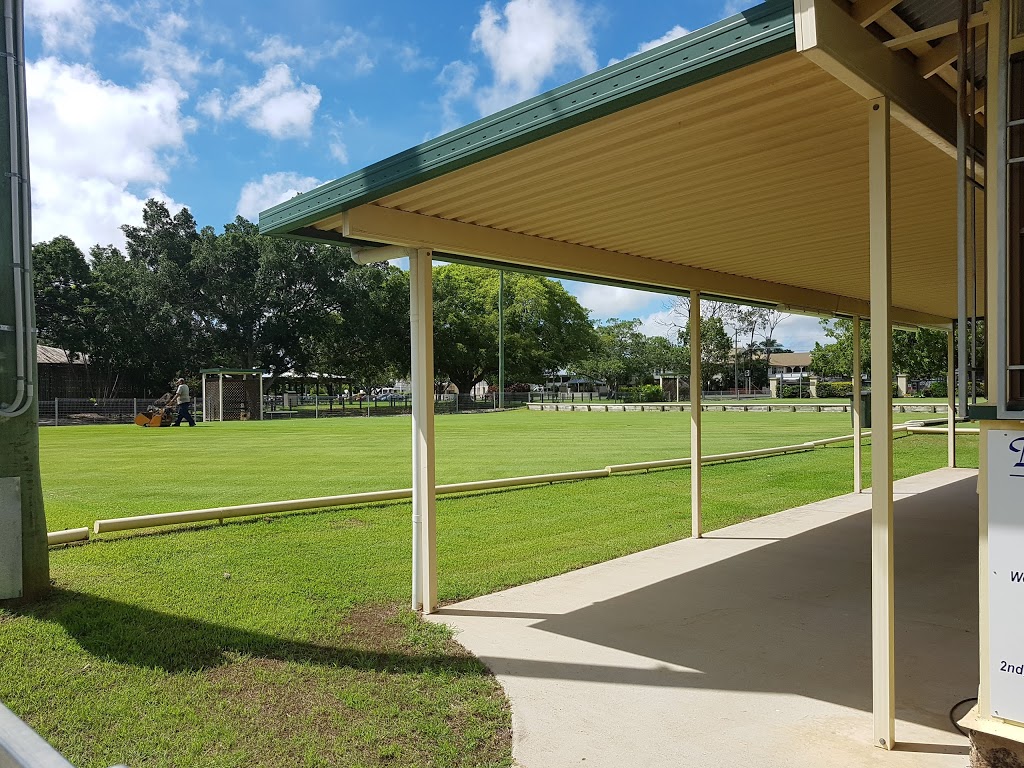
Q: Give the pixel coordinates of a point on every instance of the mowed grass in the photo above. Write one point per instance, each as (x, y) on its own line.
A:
(150, 654)
(97, 472)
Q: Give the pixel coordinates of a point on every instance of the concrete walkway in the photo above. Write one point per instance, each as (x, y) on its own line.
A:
(748, 648)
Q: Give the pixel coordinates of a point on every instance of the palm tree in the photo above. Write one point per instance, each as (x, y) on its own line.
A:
(768, 347)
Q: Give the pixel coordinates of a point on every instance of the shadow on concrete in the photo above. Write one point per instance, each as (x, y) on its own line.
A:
(793, 616)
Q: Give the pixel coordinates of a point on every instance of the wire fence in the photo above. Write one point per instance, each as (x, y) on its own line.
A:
(61, 412)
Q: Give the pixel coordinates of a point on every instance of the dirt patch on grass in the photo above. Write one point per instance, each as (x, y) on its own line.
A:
(387, 689)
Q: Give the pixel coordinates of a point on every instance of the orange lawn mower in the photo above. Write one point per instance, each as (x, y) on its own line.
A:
(159, 414)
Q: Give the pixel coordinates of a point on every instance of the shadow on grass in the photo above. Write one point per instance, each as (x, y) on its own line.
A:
(141, 637)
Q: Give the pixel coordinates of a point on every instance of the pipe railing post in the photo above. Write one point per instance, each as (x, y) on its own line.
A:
(882, 589)
(695, 392)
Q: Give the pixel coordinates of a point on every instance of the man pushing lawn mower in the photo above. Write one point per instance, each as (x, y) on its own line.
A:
(181, 397)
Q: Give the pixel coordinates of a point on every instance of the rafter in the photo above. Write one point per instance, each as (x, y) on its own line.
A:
(866, 12)
(942, 55)
(937, 32)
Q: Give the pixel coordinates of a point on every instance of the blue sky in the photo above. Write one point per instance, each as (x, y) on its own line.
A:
(230, 107)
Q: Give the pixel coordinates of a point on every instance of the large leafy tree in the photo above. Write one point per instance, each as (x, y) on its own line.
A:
(624, 355)
(919, 354)
(545, 327)
(265, 297)
(63, 288)
(366, 335)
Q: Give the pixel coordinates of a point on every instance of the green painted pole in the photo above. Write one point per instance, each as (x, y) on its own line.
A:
(501, 339)
(19, 409)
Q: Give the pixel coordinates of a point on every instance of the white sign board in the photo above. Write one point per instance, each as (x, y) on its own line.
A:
(1006, 571)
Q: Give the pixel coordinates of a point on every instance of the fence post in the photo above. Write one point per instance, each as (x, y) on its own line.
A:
(135, 405)
(56, 418)
(316, 405)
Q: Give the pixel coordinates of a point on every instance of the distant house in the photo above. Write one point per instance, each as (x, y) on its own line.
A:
(791, 366)
(59, 375)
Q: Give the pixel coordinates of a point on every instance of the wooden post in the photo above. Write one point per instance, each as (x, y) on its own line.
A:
(882, 592)
(695, 387)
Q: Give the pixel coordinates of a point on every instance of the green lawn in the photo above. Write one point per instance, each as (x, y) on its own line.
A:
(95, 472)
(151, 654)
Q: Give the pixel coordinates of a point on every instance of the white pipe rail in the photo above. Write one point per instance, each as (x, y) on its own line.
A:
(943, 430)
(295, 505)
(68, 536)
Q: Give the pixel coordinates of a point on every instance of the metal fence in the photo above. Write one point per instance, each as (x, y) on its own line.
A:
(68, 411)
(329, 407)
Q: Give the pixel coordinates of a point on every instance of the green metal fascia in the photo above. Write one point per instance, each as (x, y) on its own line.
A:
(736, 42)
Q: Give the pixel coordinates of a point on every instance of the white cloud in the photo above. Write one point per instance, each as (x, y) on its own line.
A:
(165, 55)
(732, 7)
(605, 301)
(457, 79)
(410, 59)
(349, 44)
(270, 190)
(527, 42)
(277, 105)
(275, 49)
(63, 24)
(662, 323)
(338, 150)
(799, 332)
(98, 149)
(672, 34)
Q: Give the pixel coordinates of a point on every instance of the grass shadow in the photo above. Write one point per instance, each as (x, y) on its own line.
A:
(141, 637)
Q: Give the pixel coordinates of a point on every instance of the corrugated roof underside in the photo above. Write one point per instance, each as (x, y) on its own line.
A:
(760, 173)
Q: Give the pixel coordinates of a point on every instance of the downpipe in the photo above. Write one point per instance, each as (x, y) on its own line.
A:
(21, 265)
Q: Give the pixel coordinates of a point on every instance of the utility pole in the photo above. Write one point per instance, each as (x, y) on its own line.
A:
(24, 558)
(501, 338)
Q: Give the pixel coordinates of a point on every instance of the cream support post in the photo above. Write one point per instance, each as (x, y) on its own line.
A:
(424, 524)
(951, 400)
(856, 408)
(882, 592)
(695, 387)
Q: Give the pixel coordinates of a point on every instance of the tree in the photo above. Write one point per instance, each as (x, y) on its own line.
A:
(63, 288)
(367, 335)
(546, 329)
(267, 300)
(919, 354)
(621, 356)
(715, 352)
